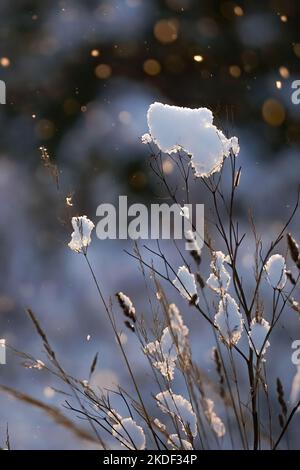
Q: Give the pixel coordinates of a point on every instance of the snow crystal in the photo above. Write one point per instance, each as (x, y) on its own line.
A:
(229, 320)
(257, 335)
(129, 434)
(176, 443)
(146, 138)
(81, 237)
(180, 408)
(276, 271)
(185, 283)
(173, 128)
(219, 279)
(235, 145)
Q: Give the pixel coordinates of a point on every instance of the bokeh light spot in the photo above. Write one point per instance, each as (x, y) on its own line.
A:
(297, 49)
(103, 71)
(284, 72)
(235, 71)
(5, 62)
(238, 11)
(198, 58)
(166, 31)
(95, 53)
(125, 117)
(152, 67)
(273, 112)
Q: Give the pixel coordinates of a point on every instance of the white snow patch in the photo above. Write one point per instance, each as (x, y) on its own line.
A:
(173, 128)
(257, 335)
(185, 283)
(276, 271)
(229, 320)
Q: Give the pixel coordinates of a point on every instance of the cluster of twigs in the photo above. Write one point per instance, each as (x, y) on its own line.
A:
(247, 411)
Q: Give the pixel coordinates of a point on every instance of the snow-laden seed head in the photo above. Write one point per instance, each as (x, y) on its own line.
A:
(173, 128)
(81, 236)
(276, 271)
(257, 335)
(163, 354)
(126, 305)
(219, 279)
(129, 434)
(179, 408)
(229, 320)
(214, 420)
(186, 284)
(146, 138)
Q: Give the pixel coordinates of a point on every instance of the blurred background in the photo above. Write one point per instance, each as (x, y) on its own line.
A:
(80, 76)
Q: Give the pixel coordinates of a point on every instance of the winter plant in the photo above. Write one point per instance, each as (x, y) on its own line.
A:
(234, 410)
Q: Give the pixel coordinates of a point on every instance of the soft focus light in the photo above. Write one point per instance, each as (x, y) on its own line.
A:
(284, 72)
(95, 53)
(297, 49)
(167, 167)
(166, 31)
(238, 11)
(103, 71)
(49, 392)
(198, 58)
(152, 67)
(283, 18)
(125, 117)
(5, 62)
(273, 112)
(235, 71)
(278, 84)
